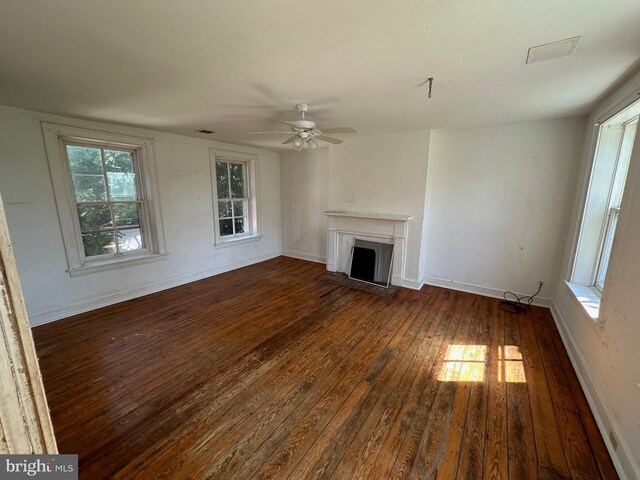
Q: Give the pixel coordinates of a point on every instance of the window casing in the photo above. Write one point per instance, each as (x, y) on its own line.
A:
(233, 176)
(106, 196)
(611, 158)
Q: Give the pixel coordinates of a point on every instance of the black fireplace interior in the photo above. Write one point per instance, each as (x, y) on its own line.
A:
(363, 264)
(371, 262)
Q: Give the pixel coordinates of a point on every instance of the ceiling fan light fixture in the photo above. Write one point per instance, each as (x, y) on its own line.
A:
(298, 143)
(312, 144)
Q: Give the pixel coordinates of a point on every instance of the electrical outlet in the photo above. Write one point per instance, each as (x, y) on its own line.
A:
(614, 440)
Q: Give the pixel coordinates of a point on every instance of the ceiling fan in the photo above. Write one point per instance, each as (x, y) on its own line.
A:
(305, 132)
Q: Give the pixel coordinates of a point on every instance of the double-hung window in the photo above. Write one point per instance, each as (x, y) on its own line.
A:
(107, 198)
(235, 202)
(105, 193)
(611, 158)
(615, 199)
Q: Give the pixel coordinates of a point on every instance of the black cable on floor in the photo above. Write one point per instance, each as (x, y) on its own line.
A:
(516, 303)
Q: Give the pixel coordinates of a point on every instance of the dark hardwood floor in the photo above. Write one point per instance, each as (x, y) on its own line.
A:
(267, 372)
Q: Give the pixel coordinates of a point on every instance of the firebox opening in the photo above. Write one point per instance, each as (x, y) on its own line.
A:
(371, 262)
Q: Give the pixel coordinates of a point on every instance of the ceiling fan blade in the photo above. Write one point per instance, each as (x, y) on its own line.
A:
(290, 139)
(329, 139)
(262, 133)
(340, 130)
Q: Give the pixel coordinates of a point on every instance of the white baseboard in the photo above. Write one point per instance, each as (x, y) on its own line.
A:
(304, 256)
(478, 290)
(403, 282)
(52, 315)
(412, 284)
(622, 459)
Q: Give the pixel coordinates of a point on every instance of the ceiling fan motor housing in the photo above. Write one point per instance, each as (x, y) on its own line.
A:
(304, 124)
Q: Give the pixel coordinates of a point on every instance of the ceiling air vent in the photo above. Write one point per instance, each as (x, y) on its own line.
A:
(549, 51)
(208, 132)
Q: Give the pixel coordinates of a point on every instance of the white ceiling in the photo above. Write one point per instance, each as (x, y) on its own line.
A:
(241, 65)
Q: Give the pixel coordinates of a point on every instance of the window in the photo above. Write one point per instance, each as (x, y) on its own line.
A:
(233, 202)
(615, 140)
(234, 196)
(105, 197)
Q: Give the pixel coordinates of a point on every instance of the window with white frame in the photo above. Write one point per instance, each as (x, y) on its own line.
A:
(105, 193)
(615, 140)
(235, 202)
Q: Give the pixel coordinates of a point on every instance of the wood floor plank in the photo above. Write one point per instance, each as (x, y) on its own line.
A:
(365, 444)
(549, 449)
(577, 449)
(268, 372)
(227, 450)
(475, 435)
(496, 452)
(598, 447)
(580, 459)
(523, 461)
(378, 379)
(561, 394)
(387, 411)
(423, 376)
(435, 430)
(251, 398)
(293, 437)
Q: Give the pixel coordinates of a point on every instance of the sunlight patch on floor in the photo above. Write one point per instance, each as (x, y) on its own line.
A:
(464, 363)
(469, 363)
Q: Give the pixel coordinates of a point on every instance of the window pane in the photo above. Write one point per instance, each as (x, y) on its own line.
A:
(238, 208)
(222, 180)
(118, 161)
(226, 227)
(606, 249)
(84, 160)
(239, 225)
(121, 175)
(98, 243)
(130, 239)
(224, 209)
(94, 217)
(89, 188)
(85, 164)
(237, 180)
(127, 214)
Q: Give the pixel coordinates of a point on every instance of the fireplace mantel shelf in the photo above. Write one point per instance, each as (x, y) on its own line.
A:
(374, 216)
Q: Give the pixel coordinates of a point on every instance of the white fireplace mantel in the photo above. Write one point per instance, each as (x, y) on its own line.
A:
(386, 228)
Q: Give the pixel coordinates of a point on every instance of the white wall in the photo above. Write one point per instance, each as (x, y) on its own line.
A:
(498, 202)
(304, 179)
(605, 353)
(384, 174)
(185, 196)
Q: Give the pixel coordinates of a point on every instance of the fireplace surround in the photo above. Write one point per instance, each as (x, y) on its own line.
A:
(344, 227)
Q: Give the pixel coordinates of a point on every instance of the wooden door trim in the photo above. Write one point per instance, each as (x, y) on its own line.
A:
(25, 423)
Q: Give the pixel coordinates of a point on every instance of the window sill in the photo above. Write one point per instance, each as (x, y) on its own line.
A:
(588, 298)
(237, 241)
(113, 263)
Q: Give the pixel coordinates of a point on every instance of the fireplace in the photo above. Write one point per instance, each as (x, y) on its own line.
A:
(371, 262)
(347, 228)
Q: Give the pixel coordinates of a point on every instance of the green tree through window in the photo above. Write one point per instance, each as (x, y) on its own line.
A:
(233, 201)
(107, 199)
